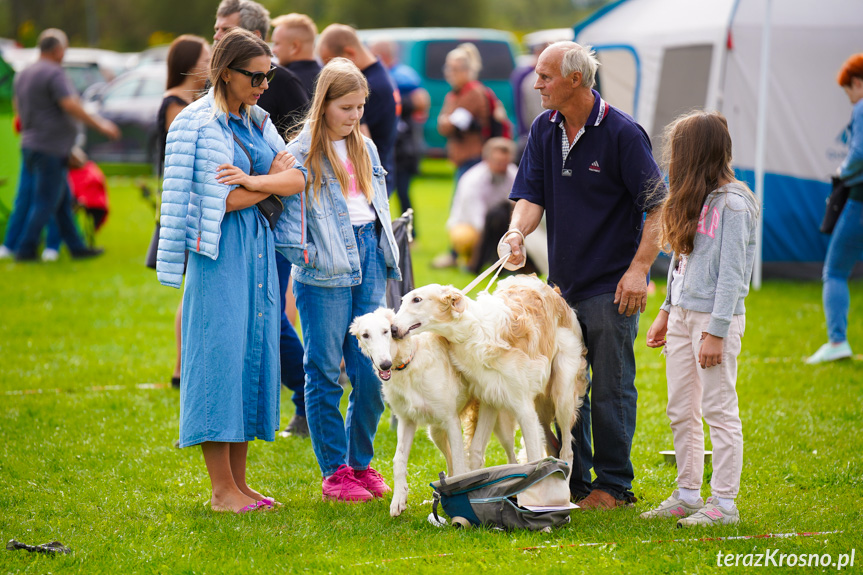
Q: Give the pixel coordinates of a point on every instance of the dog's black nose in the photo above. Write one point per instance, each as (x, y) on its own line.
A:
(395, 331)
(385, 365)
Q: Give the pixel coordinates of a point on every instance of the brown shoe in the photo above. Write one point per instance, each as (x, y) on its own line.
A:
(599, 499)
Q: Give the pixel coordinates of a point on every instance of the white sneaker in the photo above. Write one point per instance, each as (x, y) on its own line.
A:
(674, 507)
(711, 514)
(6, 253)
(50, 255)
(830, 352)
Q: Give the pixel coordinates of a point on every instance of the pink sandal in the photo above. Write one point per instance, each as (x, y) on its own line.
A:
(252, 507)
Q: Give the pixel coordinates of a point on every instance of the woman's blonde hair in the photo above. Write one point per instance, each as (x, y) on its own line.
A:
(697, 158)
(234, 50)
(469, 54)
(338, 78)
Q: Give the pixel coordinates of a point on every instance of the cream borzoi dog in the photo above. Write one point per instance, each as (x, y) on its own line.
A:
(422, 388)
(521, 351)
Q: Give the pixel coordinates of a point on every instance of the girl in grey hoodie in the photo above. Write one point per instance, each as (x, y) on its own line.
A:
(709, 221)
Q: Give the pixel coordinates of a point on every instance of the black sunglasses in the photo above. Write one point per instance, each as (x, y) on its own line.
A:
(257, 77)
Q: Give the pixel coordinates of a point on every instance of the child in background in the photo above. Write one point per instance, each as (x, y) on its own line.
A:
(709, 221)
(340, 272)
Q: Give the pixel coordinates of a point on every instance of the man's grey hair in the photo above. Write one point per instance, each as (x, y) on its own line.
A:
(51, 38)
(253, 16)
(579, 59)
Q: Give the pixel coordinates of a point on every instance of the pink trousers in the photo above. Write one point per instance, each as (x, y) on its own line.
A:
(710, 393)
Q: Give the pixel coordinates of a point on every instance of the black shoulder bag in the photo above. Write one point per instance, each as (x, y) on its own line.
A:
(835, 204)
(272, 206)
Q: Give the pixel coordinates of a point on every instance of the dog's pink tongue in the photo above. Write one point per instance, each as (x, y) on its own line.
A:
(385, 374)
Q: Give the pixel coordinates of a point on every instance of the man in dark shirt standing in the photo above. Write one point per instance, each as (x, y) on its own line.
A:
(286, 101)
(286, 97)
(48, 106)
(294, 47)
(380, 120)
(589, 167)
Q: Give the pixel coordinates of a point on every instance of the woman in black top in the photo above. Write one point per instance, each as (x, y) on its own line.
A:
(188, 63)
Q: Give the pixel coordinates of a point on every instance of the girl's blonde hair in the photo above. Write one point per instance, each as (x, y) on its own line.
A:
(338, 78)
(234, 50)
(697, 159)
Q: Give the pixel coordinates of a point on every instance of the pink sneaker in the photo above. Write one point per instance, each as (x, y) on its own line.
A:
(372, 481)
(343, 486)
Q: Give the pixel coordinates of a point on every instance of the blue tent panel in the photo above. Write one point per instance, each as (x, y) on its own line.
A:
(793, 209)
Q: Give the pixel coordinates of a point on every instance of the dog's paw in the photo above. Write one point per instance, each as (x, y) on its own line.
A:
(397, 506)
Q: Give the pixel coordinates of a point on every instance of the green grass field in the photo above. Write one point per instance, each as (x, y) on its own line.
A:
(87, 456)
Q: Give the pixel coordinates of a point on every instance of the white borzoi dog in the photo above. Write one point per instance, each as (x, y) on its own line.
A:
(521, 351)
(422, 388)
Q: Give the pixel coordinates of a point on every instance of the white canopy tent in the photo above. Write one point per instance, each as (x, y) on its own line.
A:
(664, 57)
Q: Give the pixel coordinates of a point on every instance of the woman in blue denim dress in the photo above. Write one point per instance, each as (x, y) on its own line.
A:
(340, 272)
(230, 345)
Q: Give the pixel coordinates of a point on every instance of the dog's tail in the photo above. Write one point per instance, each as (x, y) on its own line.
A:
(468, 416)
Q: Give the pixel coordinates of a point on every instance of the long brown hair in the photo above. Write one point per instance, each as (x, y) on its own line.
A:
(234, 50)
(698, 161)
(182, 57)
(338, 78)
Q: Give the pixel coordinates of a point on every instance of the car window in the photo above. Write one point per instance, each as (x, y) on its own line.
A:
(152, 86)
(497, 60)
(125, 88)
(84, 76)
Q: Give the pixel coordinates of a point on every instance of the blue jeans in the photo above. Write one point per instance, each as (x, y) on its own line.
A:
(290, 346)
(845, 248)
(326, 314)
(609, 337)
(50, 198)
(21, 208)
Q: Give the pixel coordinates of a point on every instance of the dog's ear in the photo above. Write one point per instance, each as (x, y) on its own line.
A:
(389, 314)
(453, 299)
(458, 302)
(354, 329)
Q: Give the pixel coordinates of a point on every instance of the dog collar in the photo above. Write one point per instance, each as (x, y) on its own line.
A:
(405, 364)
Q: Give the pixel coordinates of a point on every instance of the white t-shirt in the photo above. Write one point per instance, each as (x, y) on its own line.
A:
(677, 279)
(477, 192)
(359, 209)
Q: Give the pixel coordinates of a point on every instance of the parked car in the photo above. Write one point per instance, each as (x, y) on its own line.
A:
(85, 66)
(425, 49)
(153, 55)
(131, 101)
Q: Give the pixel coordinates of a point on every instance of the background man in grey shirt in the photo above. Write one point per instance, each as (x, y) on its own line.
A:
(48, 106)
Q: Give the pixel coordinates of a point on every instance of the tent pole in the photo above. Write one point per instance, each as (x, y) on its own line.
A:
(760, 141)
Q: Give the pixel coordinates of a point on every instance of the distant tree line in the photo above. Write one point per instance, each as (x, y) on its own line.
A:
(133, 25)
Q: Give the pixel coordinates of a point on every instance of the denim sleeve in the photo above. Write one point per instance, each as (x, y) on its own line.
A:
(853, 164)
(736, 225)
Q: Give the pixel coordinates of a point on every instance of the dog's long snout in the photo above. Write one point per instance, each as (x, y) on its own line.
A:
(385, 365)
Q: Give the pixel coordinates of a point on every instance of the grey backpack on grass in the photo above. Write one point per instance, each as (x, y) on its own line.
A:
(498, 496)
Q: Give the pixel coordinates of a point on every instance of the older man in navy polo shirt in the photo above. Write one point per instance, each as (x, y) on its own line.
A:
(589, 167)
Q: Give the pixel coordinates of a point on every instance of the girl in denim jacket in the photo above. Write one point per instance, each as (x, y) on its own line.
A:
(709, 220)
(338, 236)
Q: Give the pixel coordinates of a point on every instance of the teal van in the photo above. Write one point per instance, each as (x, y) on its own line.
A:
(425, 49)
